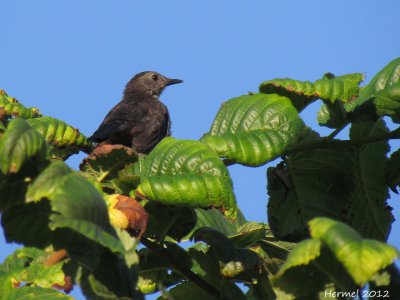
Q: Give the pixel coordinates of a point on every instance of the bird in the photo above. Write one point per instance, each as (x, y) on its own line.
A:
(140, 120)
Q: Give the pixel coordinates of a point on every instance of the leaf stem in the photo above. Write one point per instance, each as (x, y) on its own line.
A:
(197, 280)
(56, 257)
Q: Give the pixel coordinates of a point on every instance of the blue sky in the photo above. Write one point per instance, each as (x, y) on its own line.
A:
(72, 59)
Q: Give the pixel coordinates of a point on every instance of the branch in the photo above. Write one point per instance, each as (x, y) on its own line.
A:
(197, 280)
(56, 257)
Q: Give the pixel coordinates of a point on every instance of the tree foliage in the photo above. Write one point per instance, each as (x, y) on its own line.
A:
(116, 226)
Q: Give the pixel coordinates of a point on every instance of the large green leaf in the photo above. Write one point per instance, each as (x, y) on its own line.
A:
(19, 143)
(10, 107)
(310, 184)
(330, 88)
(186, 173)
(369, 212)
(254, 129)
(309, 271)
(362, 258)
(61, 135)
(75, 203)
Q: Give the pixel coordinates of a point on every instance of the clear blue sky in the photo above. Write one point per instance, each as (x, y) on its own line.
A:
(72, 59)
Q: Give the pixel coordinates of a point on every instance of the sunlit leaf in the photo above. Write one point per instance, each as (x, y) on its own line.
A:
(254, 129)
(10, 107)
(330, 88)
(361, 257)
(19, 143)
(186, 173)
(61, 135)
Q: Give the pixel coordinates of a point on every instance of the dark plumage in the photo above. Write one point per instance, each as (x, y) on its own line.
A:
(140, 120)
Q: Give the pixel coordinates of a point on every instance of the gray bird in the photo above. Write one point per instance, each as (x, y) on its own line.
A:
(140, 120)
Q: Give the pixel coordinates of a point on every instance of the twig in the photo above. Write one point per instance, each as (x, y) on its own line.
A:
(56, 257)
(200, 282)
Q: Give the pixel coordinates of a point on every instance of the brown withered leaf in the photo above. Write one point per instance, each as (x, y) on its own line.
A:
(104, 149)
(135, 213)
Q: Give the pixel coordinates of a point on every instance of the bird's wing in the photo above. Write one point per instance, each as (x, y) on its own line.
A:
(116, 123)
(146, 135)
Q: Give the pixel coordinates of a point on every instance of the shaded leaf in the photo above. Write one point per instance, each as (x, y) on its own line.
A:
(393, 171)
(233, 260)
(310, 184)
(369, 212)
(254, 129)
(76, 205)
(105, 163)
(249, 234)
(361, 257)
(19, 143)
(332, 115)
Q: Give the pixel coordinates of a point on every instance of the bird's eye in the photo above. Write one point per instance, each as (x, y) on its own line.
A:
(154, 77)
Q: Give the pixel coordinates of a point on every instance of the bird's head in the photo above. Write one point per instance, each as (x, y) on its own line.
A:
(149, 83)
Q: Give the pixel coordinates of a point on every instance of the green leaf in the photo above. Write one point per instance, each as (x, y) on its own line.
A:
(305, 187)
(110, 279)
(19, 143)
(155, 271)
(309, 271)
(10, 107)
(76, 205)
(113, 169)
(387, 102)
(386, 77)
(249, 234)
(172, 221)
(233, 260)
(330, 88)
(369, 212)
(254, 129)
(61, 135)
(25, 267)
(190, 190)
(188, 290)
(37, 293)
(186, 173)
(393, 170)
(361, 257)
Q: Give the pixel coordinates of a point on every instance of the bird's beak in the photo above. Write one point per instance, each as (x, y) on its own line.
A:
(173, 81)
